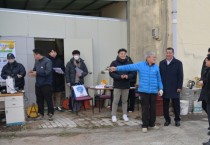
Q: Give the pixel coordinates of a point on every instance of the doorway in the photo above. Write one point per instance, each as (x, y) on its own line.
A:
(50, 43)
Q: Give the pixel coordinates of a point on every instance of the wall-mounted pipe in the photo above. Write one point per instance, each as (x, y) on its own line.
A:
(174, 23)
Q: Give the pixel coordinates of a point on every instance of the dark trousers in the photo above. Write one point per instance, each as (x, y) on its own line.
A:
(208, 112)
(44, 93)
(204, 106)
(148, 109)
(131, 100)
(176, 107)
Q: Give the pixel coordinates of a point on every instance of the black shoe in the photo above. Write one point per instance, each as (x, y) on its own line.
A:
(167, 123)
(177, 124)
(209, 128)
(206, 143)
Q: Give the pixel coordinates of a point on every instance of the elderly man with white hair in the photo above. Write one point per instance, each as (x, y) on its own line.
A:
(150, 85)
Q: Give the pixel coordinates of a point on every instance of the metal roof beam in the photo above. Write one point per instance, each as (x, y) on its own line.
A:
(48, 2)
(89, 4)
(72, 11)
(5, 3)
(68, 4)
(26, 4)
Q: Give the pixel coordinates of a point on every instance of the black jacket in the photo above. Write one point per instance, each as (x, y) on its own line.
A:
(120, 83)
(172, 77)
(203, 69)
(43, 70)
(203, 76)
(205, 92)
(133, 79)
(13, 70)
(58, 79)
(70, 71)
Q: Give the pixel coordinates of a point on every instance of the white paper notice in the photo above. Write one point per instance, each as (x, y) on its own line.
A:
(58, 70)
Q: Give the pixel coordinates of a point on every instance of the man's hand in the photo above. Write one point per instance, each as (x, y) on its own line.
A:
(179, 90)
(200, 83)
(126, 76)
(111, 69)
(78, 74)
(160, 93)
(32, 73)
(68, 84)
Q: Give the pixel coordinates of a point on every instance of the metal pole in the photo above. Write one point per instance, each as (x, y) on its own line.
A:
(174, 23)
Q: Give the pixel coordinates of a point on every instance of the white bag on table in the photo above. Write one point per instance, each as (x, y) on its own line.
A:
(10, 85)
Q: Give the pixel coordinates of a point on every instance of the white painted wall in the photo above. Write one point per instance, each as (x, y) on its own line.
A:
(108, 36)
(193, 35)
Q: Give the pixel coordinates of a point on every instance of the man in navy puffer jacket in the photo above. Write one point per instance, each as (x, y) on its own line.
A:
(121, 84)
(150, 85)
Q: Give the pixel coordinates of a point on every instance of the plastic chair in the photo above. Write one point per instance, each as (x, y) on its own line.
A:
(102, 98)
(76, 101)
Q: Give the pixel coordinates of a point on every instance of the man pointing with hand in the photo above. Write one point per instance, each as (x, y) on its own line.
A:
(150, 85)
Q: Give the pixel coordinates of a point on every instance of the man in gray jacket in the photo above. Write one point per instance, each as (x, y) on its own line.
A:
(75, 72)
(43, 87)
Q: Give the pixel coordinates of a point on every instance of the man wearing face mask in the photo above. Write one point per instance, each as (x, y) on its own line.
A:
(15, 70)
(75, 71)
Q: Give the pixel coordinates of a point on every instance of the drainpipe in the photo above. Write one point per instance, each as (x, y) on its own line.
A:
(174, 23)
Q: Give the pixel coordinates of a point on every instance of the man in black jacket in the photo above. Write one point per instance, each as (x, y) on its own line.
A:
(121, 84)
(75, 72)
(171, 72)
(206, 90)
(202, 98)
(131, 94)
(58, 78)
(15, 70)
(43, 88)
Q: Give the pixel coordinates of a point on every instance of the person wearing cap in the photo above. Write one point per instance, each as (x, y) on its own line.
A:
(171, 71)
(150, 85)
(121, 84)
(58, 84)
(75, 72)
(15, 70)
(201, 98)
(206, 90)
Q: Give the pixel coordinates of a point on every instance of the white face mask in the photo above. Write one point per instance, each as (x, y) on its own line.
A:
(11, 60)
(76, 57)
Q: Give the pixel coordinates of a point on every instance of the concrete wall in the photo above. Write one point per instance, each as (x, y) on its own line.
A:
(145, 15)
(193, 35)
(108, 36)
(116, 10)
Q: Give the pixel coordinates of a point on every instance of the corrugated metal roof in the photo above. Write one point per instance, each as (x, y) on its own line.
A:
(79, 7)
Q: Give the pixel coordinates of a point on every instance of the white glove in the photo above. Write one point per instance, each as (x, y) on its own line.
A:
(19, 76)
(160, 93)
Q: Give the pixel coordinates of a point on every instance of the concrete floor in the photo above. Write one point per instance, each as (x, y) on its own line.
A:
(98, 129)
